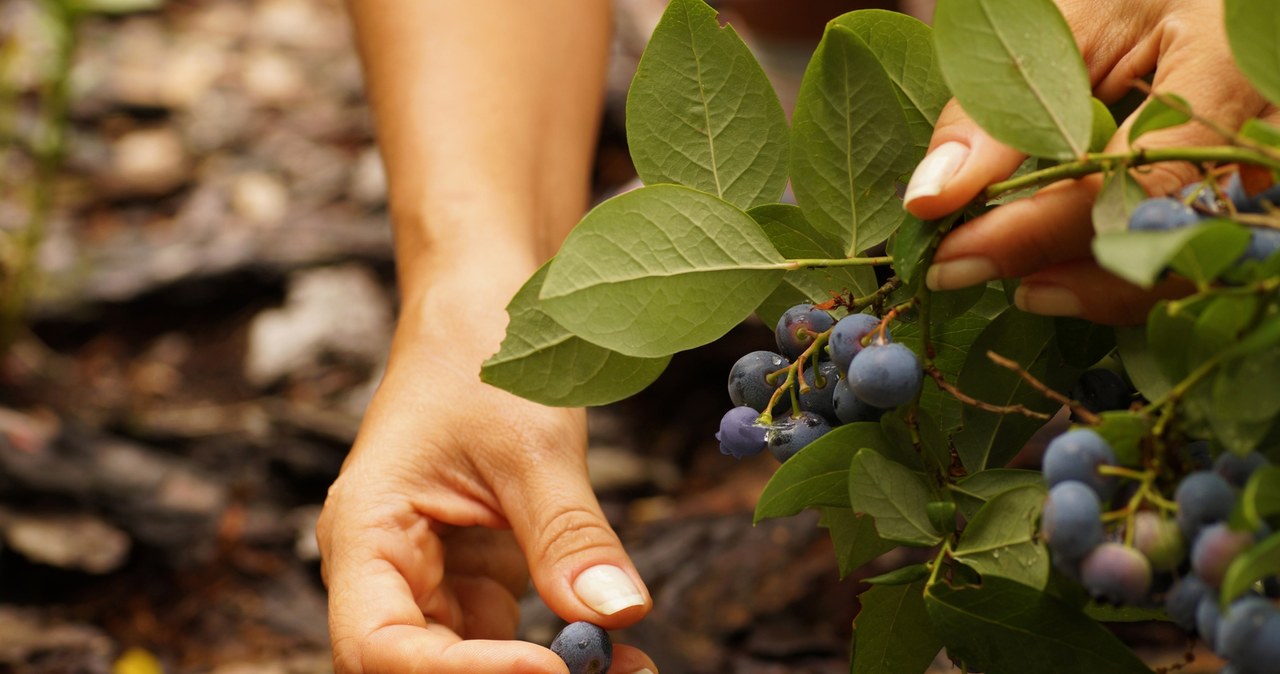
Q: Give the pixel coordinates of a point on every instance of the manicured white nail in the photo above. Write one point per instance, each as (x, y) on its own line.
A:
(961, 273)
(1047, 300)
(607, 589)
(646, 670)
(937, 168)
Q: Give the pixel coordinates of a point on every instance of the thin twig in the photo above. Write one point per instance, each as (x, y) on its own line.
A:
(1213, 126)
(1081, 411)
(943, 384)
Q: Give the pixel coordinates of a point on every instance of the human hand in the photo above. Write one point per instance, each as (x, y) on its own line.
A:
(451, 486)
(1046, 239)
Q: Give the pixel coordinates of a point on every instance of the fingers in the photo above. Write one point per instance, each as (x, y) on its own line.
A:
(1083, 289)
(577, 563)
(433, 649)
(628, 660)
(961, 162)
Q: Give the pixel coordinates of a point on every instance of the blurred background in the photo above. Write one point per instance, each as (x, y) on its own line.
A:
(195, 302)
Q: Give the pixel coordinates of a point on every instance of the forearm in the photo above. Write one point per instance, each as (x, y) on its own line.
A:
(486, 113)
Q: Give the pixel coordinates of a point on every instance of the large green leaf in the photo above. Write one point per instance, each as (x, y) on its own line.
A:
(1201, 252)
(975, 491)
(1005, 627)
(952, 341)
(990, 439)
(1001, 539)
(543, 362)
(660, 269)
(1260, 500)
(850, 143)
(904, 47)
(854, 537)
(1259, 562)
(701, 112)
(892, 633)
(818, 476)
(1156, 115)
(1253, 28)
(894, 495)
(1014, 67)
(1120, 194)
(1140, 363)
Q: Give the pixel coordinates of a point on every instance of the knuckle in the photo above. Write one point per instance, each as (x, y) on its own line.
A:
(570, 530)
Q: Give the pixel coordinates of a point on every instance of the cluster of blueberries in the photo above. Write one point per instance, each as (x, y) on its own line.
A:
(837, 378)
(1156, 555)
(1198, 202)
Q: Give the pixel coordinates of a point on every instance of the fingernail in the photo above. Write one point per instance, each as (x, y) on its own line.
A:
(646, 670)
(1047, 300)
(607, 589)
(935, 170)
(961, 273)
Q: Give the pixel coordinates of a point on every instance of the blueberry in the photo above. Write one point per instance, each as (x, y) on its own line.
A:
(798, 326)
(1237, 469)
(1118, 573)
(1215, 548)
(1261, 654)
(849, 409)
(1203, 498)
(821, 399)
(1100, 390)
(739, 434)
(885, 375)
(1182, 600)
(1076, 455)
(1206, 200)
(846, 338)
(1071, 521)
(1263, 243)
(1207, 619)
(748, 384)
(584, 647)
(1159, 214)
(1241, 624)
(789, 435)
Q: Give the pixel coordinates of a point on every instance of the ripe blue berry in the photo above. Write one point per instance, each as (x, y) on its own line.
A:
(739, 435)
(748, 384)
(1203, 499)
(885, 375)
(849, 409)
(1237, 469)
(1160, 214)
(1182, 600)
(846, 338)
(1261, 654)
(584, 647)
(821, 399)
(1071, 520)
(789, 435)
(1207, 618)
(798, 326)
(1242, 624)
(1076, 455)
(1215, 548)
(1263, 243)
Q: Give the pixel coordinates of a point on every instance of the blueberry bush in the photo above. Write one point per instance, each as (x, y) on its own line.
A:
(894, 410)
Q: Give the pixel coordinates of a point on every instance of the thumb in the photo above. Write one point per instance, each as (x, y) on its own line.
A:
(575, 559)
(961, 162)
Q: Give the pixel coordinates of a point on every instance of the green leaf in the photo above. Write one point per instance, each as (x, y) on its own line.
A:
(658, 270)
(818, 476)
(904, 47)
(892, 633)
(1259, 131)
(1260, 500)
(902, 576)
(1104, 126)
(1014, 67)
(795, 238)
(952, 342)
(1243, 400)
(1140, 257)
(1253, 28)
(850, 143)
(1140, 363)
(115, 6)
(545, 363)
(1120, 194)
(1001, 539)
(909, 245)
(854, 538)
(1156, 115)
(1110, 613)
(990, 439)
(1124, 432)
(975, 491)
(1259, 562)
(1170, 328)
(895, 496)
(1005, 627)
(702, 113)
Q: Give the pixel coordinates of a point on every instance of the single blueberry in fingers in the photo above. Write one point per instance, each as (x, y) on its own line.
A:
(584, 647)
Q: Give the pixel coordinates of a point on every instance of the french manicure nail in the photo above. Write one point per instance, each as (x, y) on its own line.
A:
(961, 273)
(646, 670)
(935, 170)
(1047, 300)
(607, 589)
